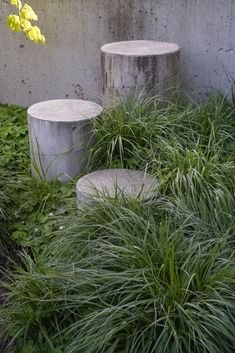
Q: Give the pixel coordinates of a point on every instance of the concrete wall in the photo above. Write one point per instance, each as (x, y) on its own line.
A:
(76, 29)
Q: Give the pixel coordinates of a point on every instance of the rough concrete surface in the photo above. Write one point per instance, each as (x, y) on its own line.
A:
(111, 183)
(76, 29)
(146, 66)
(140, 48)
(60, 137)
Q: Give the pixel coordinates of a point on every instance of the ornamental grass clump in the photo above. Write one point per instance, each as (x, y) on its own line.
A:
(188, 147)
(126, 277)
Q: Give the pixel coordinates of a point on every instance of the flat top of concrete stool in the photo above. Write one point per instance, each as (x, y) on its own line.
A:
(64, 110)
(140, 48)
(110, 182)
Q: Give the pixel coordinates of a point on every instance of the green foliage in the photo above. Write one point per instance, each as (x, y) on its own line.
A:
(122, 276)
(14, 146)
(189, 148)
(14, 151)
(33, 205)
(25, 202)
(140, 126)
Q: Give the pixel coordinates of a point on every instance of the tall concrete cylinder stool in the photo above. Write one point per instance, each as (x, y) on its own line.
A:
(60, 136)
(140, 66)
(111, 183)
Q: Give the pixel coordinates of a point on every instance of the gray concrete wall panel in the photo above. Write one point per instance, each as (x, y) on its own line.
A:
(76, 29)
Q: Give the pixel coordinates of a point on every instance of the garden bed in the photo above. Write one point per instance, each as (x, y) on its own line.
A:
(123, 276)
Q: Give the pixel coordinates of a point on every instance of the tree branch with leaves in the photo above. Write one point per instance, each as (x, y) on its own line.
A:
(22, 22)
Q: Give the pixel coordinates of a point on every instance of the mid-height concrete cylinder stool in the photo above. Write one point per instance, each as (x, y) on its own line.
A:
(140, 66)
(111, 183)
(60, 133)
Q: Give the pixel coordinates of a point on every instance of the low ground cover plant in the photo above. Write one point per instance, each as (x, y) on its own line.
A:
(124, 276)
(14, 139)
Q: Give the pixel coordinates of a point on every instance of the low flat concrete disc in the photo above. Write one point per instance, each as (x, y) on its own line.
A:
(60, 110)
(140, 48)
(112, 182)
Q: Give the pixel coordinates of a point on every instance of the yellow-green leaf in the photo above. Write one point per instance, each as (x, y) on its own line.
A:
(25, 24)
(35, 34)
(22, 22)
(43, 39)
(13, 22)
(16, 3)
(28, 13)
